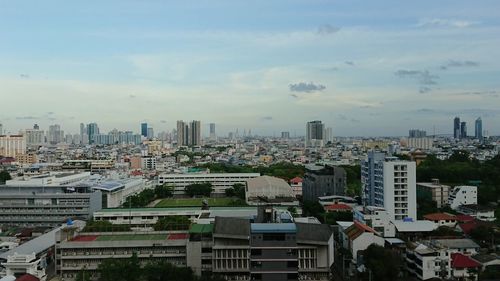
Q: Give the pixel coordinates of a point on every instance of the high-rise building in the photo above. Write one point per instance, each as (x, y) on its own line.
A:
(195, 133)
(1, 129)
(479, 129)
(415, 133)
(92, 130)
(55, 135)
(285, 135)
(390, 183)
(463, 130)
(12, 145)
(328, 137)
(323, 181)
(144, 129)
(213, 136)
(36, 127)
(151, 133)
(314, 134)
(34, 136)
(182, 134)
(456, 127)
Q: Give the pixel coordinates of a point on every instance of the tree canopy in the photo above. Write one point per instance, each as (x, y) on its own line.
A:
(199, 189)
(4, 176)
(172, 223)
(384, 264)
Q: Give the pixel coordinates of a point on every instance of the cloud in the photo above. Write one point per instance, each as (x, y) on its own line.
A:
(163, 121)
(438, 22)
(456, 63)
(423, 77)
(26, 118)
(132, 96)
(328, 29)
(294, 95)
(306, 87)
(355, 120)
(50, 113)
(267, 118)
(348, 62)
(24, 76)
(424, 90)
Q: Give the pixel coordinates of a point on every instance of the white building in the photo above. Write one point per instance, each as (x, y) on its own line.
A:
(420, 143)
(377, 218)
(148, 163)
(264, 189)
(390, 183)
(12, 145)
(463, 195)
(34, 136)
(116, 192)
(51, 179)
(358, 237)
(220, 181)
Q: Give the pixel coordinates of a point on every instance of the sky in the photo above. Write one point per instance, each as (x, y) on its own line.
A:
(365, 68)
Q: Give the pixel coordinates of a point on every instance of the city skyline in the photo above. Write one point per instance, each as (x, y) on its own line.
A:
(231, 63)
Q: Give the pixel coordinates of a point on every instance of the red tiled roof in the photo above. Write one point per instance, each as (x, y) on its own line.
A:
(460, 261)
(337, 207)
(296, 180)
(356, 229)
(178, 236)
(439, 217)
(27, 277)
(464, 218)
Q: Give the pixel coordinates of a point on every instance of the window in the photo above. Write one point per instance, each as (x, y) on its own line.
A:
(274, 237)
(256, 252)
(292, 264)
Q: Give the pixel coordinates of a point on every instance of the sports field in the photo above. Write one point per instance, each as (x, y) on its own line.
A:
(196, 202)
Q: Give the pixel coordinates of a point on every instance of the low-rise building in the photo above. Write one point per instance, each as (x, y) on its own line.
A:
(220, 181)
(463, 195)
(442, 219)
(266, 190)
(323, 181)
(435, 191)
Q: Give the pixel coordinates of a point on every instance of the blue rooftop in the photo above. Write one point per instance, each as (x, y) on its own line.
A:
(273, 228)
(109, 186)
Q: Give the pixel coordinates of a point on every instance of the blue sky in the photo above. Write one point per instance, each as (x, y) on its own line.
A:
(363, 67)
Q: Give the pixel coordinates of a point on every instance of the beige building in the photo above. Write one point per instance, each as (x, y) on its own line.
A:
(436, 191)
(29, 158)
(12, 145)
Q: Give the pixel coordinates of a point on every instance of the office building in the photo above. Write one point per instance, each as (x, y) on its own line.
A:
(144, 129)
(478, 132)
(12, 145)
(182, 133)
(456, 127)
(328, 135)
(115, 192)
(463, 130)
(285, 135)
(55, 135)
(1, 129)
(314, 134)
(220, 181)
(150, 134)
(415, 133)
(213, 136)
(389, 183)
(92, 130)
(323, 181)
(434, 191)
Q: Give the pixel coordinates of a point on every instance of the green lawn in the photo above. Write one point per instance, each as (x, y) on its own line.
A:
(195, 202)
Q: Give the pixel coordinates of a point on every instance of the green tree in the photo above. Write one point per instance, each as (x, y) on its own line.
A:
(384, 264)
(120, 269)
(104, 226)
(4, 176)
(314, 209)
(172, 223)
(197, 189)
(230, 192)
(239, 190)
(83, 275)
(333, 217)
(163, 191)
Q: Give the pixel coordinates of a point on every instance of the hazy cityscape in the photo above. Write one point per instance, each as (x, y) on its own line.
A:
(266, 141)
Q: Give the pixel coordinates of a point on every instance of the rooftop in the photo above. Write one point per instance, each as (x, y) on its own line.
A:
(273, 228)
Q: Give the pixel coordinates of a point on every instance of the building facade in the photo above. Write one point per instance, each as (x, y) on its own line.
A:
(323, 181)
(12, 145)
(314, 134)
(390, 183)
(220, 181)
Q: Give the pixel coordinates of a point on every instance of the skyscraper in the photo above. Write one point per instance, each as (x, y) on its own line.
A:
(212, 131)
(150, 133)
(144, 129)
(195, 133)
(1, 129)
(479, 129)
(181, 133)
(55, 134)
(285, 135)
(456, 127)
(92, 129)
(314, 134)
(463, 130)
(415, 133)
(390, 183)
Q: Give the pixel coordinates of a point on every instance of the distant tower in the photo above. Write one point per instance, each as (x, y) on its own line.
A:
(36, 127)
(144, 130)
(212, 131)
(92, 130)
(463, 130)
(479, 129)
(1, 129)
(456, 128)
(195, 133)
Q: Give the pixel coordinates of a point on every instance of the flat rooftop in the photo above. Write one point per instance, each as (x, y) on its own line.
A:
(129, 237)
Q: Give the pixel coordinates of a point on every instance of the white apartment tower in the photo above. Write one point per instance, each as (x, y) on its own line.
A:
(390, 183)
